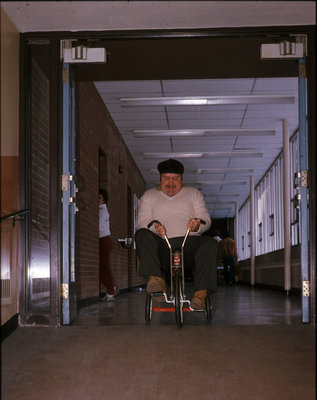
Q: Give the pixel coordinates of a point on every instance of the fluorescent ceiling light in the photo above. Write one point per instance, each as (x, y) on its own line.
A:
(238, 153)
(222, 202)
(221, 195)
(143, 133)
(209, 183)
(224, 170)
(206, 100)
(177, 132)
(172, 155)
(221, 182)
(212, 171)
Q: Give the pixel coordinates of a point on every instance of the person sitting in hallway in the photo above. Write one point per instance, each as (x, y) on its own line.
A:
(178, 208)
(229, 255)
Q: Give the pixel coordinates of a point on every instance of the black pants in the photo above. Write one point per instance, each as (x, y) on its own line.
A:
(228, 269)
(200, 255)
(105, 274)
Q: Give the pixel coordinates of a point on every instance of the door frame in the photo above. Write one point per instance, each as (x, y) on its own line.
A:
(68, 199)
(119, 36)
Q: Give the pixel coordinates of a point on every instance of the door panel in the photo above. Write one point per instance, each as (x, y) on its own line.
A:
(38, 190)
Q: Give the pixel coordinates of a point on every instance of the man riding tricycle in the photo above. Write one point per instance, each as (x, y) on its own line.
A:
(165, 214)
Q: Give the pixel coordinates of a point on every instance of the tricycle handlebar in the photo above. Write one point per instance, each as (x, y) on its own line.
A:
(155, 221)
(158, 222)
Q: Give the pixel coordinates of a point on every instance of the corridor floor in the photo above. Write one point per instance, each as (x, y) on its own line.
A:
(232, 305)
(256, 348)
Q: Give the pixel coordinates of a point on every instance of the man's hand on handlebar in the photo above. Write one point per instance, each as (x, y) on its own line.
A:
(193, 224)
(160, 229)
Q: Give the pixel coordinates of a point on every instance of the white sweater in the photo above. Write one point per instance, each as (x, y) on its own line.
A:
(104, 223)
(173, 211)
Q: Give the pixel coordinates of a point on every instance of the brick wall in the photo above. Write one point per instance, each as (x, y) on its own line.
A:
(96, 131)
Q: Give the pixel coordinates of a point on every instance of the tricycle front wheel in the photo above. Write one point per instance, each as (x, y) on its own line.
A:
(178, 293)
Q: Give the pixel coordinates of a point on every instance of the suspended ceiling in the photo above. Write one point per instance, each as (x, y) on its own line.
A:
(240, 139)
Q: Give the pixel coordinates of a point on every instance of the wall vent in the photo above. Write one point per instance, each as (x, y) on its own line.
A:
(5, 288)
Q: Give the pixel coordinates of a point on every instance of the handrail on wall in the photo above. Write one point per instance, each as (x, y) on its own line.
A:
(14, 215)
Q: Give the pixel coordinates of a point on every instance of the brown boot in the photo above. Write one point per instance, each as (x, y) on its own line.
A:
(155, 284)
(199, 300)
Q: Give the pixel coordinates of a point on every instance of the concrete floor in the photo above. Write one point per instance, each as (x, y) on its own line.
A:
(256, 348)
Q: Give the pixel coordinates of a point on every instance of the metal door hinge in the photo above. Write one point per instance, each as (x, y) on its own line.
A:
(306, 288)
(304, 178)
(65, 75)
(302, 70)
(300, 179)
(64, 290)
(65, 182)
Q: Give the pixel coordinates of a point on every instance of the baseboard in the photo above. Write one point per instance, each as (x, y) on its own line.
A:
(89, 301)
(295, 291)
(82, 303)
(9, 327)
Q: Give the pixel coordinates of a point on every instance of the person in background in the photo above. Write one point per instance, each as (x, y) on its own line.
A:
(229, 255)
(177, 208)
(105, 246)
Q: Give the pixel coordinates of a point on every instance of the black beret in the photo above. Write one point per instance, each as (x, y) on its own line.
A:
(170, 166)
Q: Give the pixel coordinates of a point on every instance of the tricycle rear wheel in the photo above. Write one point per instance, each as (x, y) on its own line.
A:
(148, 308)
(208, 309)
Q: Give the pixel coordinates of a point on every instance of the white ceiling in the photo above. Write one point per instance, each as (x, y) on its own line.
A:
(227, 180)
(34, 16)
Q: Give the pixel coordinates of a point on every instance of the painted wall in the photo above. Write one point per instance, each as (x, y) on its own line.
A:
(269, 269)
(9, 164)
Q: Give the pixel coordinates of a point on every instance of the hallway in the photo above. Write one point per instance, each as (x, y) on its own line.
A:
(96, 94)
(256, 348)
